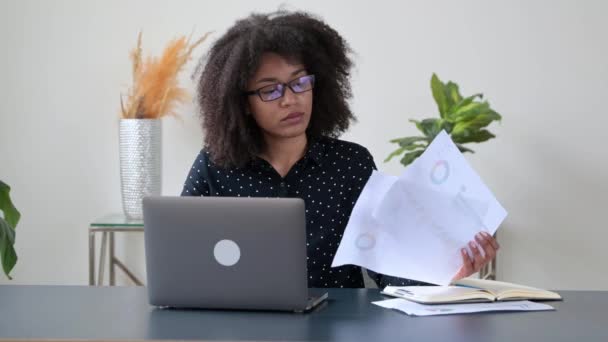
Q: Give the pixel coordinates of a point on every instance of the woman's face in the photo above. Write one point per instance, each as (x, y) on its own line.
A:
(289, 115)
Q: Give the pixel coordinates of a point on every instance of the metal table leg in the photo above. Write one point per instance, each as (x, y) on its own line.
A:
(91, 257)
(102, 257)
(131, 276)
(111, 261)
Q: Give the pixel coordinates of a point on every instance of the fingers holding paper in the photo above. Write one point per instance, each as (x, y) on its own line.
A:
(483, 250)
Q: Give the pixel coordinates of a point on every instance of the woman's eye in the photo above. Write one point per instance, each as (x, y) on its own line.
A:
(299, 84)
(269, 91)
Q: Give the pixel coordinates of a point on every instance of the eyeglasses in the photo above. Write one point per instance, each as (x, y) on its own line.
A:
(276, 91)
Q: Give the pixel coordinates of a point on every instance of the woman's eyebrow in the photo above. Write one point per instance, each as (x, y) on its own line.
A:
(274, 80)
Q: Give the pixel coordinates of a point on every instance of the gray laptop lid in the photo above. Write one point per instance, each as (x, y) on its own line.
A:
(226, 252)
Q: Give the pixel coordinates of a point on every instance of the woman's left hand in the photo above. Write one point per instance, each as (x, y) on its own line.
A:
(479, 259)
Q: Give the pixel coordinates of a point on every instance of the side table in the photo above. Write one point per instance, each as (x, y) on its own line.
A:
(109, 225)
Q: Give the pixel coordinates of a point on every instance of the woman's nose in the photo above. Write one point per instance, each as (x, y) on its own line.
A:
(288, 98)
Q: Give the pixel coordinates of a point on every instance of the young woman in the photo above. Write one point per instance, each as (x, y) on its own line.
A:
(273, 97)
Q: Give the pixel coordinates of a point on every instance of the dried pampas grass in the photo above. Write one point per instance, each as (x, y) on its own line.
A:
(155, 92)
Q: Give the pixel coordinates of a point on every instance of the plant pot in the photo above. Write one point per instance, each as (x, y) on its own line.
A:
(140, 163)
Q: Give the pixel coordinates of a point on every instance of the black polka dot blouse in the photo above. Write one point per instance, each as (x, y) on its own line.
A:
(329, 177)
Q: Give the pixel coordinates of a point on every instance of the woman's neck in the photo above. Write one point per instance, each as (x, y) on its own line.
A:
(283, 153)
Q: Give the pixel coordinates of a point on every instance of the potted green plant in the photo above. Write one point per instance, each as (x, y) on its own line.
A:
(463, 118)
(8, 223)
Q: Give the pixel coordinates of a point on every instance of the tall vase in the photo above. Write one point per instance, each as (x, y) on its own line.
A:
(140, 163)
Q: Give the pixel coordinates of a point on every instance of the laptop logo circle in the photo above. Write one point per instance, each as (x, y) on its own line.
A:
(227, 252)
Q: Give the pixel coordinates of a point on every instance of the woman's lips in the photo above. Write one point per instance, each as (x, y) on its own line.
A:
(293, 117)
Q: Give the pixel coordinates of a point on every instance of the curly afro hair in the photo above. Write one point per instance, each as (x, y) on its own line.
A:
(232, 137)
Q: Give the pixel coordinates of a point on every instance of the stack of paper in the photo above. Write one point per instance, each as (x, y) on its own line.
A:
(414, 226)
(416, 309)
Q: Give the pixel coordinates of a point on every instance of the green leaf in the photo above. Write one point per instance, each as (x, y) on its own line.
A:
(447, 126)
(408, 158)
(452, 94)
(7, 251)
(11, 214)
(463, 149)
(430, 127)
(414, 146)
(469, 136)
(483, 119)
(470, 111)
(464, 102)
(409, 147)
(439, 95)
(408, 140)
(475, 123)
(8, 223)
(394, 154)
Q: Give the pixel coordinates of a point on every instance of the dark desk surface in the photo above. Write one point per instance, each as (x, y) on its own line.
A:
(121, 313)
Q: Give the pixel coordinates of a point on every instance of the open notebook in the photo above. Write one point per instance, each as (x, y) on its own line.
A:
(469, 291)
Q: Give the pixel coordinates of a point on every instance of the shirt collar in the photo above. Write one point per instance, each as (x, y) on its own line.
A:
(314, 153)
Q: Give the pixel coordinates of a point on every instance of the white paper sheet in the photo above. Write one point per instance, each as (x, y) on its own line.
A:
(413, 226)
(416, 309)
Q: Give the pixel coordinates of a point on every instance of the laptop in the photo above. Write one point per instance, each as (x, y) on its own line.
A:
(227, 253)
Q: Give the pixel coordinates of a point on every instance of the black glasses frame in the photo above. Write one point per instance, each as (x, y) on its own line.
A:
(284, 87)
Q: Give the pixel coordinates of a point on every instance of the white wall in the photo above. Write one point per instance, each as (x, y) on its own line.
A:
(542, 64)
